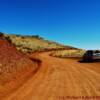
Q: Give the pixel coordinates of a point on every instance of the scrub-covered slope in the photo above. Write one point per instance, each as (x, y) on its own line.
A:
(34, 43)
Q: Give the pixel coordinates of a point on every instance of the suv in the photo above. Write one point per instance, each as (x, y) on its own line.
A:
(91, 55)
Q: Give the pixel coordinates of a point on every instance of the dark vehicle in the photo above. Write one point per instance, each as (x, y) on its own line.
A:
(91, 55)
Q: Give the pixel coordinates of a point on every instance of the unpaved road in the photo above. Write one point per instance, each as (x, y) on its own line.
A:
(58, 78)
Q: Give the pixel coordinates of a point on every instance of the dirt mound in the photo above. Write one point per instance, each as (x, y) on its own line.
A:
(15, 67)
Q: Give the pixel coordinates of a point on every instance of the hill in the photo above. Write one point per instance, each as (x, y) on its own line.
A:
(33, 43)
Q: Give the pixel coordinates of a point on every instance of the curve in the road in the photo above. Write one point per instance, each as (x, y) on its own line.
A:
(58, 78)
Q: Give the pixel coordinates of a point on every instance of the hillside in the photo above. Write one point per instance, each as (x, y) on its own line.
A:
(33, 43)
(29, 44)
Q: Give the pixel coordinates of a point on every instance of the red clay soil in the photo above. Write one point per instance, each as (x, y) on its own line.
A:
(15, 68)
(60, 79)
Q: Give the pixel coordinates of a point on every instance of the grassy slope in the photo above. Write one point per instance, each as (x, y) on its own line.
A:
(68, 53)
(33, 43)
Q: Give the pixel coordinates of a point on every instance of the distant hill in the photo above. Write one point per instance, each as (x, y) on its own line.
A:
(33, 43)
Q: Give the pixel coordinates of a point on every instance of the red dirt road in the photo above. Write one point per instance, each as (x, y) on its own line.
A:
(58, 78)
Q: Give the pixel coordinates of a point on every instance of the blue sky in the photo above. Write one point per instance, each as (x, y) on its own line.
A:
(71, 22)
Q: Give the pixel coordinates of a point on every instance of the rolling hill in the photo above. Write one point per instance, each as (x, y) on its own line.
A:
(33, 43)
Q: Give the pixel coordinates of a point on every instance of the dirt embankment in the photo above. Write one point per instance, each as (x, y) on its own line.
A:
(15, 67)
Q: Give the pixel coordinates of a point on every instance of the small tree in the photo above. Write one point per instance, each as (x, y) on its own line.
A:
(8, 39)
(1, 34)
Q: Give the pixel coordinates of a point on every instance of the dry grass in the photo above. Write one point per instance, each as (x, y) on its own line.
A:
(33, 43)
(68, 53)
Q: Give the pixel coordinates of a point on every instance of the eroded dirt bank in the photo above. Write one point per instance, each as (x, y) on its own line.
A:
(15, 68)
